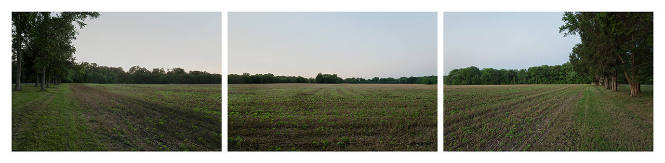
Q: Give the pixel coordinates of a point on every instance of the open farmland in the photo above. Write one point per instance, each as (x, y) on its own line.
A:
(348, 117)
(117, 117)
(547, 117)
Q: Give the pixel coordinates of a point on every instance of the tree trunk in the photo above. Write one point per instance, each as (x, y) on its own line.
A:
(614, 81)
(634, 84)
(634, 89)
(36, 81)
(19, 58)
(596, 80)
(606, 81)
(43, 79)
(48, 82)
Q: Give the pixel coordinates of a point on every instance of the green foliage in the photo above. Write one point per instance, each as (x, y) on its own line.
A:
(45, 119)
(92, 73)
(42, 43)
(246, 78)
(613, 44)
(42, 50)
(559, 74)
(327, 78)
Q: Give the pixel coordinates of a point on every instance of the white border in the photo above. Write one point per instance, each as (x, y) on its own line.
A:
(439, 70)
(225, 83)
(323, 6)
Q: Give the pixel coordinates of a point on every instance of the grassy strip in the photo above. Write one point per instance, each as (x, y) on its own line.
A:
(613, 121)
(592, 122)
(55, 124)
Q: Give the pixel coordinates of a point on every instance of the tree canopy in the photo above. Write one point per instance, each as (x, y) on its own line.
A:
(613, 43)
(42, 52)
(92, 73)
(247, 78)
(616, 47)
(42, 43)
(558, 74)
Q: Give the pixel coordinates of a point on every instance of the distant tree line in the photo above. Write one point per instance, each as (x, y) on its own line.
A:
(92, 73)
(247, 78)
(558, 74)
(42, 53)
(616, 47)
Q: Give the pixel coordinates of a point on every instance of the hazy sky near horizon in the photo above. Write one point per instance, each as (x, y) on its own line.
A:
(348, 44)
(504, 40)
(191, 41)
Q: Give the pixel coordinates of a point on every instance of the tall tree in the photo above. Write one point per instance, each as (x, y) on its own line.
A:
(22, 23)
(612, 43)
(51, 41)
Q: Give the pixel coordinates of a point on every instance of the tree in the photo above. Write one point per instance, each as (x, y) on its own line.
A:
(92, 73)
(22, 23)
(47, 38)
(246, 78)
(558, 74)
(612, 43)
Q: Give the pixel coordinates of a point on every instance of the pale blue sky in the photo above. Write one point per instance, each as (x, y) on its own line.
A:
(504, 40)
(348, 44)
(191, 41)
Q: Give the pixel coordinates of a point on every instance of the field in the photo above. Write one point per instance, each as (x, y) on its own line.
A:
(325, 117)
(117, 117)
(546, 118)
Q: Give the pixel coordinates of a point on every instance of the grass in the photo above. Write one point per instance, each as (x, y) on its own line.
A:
(46, 121)
(117, 117)
(609, 122)
(325, 117)
(547, 118)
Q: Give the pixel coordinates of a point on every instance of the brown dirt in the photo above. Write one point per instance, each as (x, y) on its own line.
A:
(129, 123)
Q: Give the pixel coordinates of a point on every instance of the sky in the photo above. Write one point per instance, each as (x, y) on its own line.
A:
(348, 44)
(504, 40)
(191, 41)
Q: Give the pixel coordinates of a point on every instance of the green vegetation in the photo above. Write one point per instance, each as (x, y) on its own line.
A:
(64, 117)
(42, 45)
(566, 116)
(616, 48)
(613, 43)
(323, 117)
(610, 121)
(92, 73)
(558, 74)
(547, 118)
(246, 78)
(117, 117)
(42, 53)
(45, 121)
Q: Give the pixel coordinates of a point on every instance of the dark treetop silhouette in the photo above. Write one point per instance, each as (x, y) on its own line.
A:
(246, 78)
